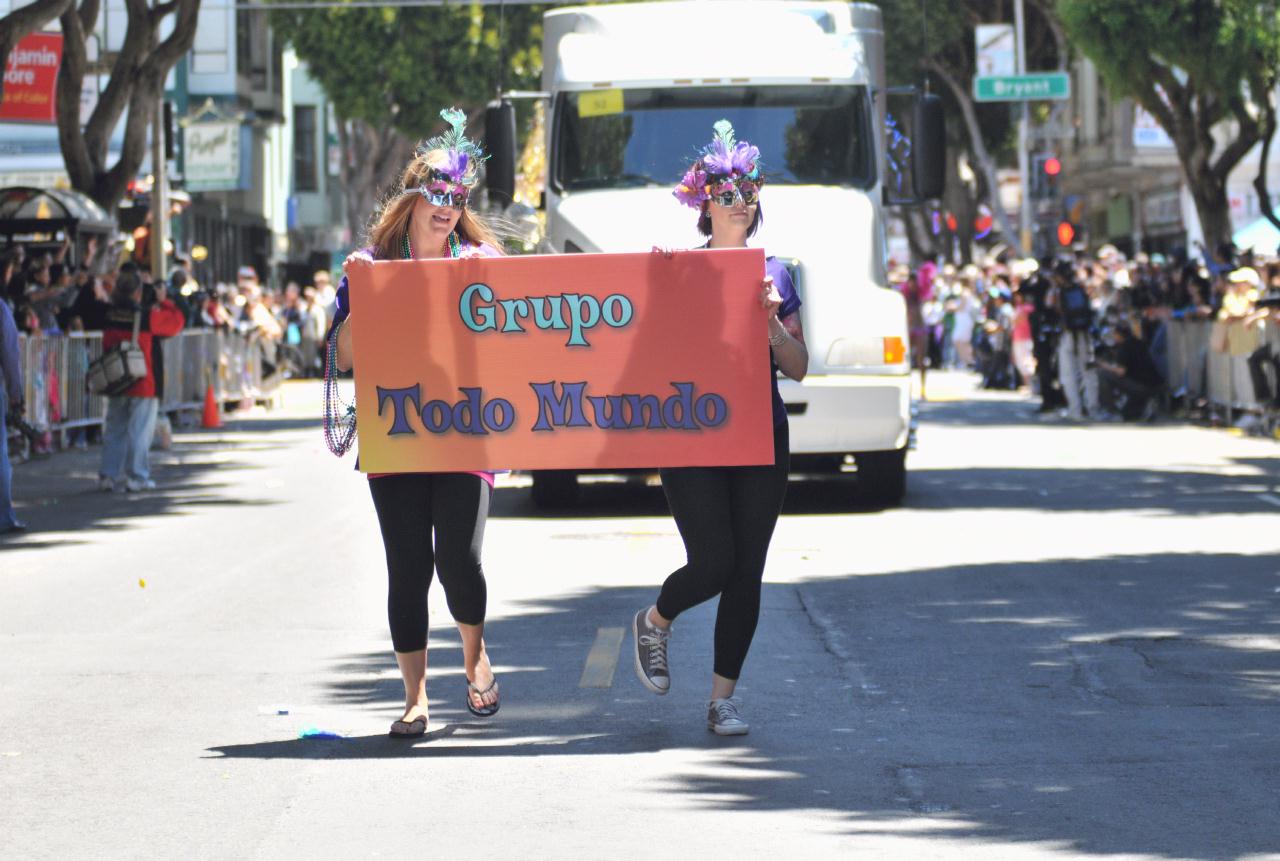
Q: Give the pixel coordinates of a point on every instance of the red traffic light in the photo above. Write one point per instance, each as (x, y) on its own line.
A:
(1052, 166)
(1066, 233)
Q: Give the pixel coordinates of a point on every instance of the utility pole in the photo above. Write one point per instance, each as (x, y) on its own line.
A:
(159, 196)
(1024, 173)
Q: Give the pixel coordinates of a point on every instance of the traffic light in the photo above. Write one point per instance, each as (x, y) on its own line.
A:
(1045, 170)
(1066, 233)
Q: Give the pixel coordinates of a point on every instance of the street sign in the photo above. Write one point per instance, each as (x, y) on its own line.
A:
(1050, 86)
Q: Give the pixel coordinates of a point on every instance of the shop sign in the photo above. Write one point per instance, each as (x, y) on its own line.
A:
(212, 153)
(31, 79)
(1162, 209)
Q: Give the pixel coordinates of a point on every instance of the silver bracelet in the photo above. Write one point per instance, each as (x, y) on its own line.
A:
(779, 340)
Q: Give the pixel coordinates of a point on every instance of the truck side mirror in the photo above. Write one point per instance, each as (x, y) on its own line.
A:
(500, 142)
(929, 164)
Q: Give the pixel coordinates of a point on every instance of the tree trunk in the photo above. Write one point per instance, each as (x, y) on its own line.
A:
(1210, 196)
(136, 83)
(23, 21)
(919, 237)
(986, 164)
(372, 161)
(1260, 182)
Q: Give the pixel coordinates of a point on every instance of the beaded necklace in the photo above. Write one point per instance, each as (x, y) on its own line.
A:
(339, 415)
(406, 250)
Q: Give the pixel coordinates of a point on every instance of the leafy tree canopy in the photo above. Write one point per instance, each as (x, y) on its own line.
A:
(1192, 64)
(400, 66)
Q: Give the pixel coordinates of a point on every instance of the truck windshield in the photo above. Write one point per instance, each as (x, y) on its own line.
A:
(807, 135)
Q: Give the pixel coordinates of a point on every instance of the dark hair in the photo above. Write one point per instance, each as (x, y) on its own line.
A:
(126, 285)
(704, 219)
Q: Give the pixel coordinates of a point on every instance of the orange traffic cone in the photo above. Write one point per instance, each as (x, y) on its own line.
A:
(212, 415)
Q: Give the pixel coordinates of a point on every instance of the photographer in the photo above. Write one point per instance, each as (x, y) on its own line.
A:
(1127, 369)
(1046, 326)
(131, 417)
(10, 402)
(1075, 346)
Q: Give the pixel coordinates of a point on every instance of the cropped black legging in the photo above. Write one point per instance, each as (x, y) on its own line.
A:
(410, 507)
(726, 517)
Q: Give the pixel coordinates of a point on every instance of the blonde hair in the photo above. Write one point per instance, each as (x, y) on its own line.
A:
(392, 221)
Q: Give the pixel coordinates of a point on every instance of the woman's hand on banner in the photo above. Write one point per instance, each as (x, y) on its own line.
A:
(357, 258)
(770, 298)
(667, 253)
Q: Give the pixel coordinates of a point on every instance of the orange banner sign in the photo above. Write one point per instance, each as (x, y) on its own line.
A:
(580, 361)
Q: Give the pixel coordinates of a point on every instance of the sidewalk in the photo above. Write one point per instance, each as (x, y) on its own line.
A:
(58, 493)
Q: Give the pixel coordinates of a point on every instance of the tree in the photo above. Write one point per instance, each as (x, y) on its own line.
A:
(24, 20)
(136, 83)
(1194, 66)
(948, 59)
(390, 71)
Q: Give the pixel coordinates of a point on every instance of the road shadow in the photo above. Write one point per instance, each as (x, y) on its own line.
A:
(60, 493)
(1123, 705)
(1172, 491)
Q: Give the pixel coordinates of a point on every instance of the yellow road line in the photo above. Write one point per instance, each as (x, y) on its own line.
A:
(602, 660)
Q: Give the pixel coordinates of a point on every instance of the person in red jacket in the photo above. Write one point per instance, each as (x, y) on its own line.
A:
(131, 417)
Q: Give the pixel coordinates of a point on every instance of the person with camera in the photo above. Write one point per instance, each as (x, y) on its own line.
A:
(1075, 345)
(1125, 367)
(1046, 326)
(131, 416)
(10, 403)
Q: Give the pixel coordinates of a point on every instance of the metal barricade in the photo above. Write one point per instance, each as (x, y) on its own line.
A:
(54, 370)
(1188, 352)
(1210, 360)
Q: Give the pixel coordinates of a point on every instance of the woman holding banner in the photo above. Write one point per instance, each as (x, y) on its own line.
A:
(427, 218)
(726, 515)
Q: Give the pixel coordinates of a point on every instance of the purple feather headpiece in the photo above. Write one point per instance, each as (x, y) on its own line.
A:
(462, 156)
(722, 159)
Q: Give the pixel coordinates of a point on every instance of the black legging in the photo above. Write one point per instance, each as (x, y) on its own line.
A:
(409, 507)
(726, 516)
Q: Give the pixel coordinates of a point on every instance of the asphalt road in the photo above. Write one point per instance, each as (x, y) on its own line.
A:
(1065, 645)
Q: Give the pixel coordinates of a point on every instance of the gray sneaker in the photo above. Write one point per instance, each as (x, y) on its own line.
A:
(651, 653)
(723, 717)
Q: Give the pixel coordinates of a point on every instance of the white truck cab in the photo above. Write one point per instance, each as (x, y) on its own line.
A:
(634, 91)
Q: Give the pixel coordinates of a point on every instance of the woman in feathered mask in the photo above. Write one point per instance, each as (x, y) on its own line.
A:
(427, 217)
(726, 515)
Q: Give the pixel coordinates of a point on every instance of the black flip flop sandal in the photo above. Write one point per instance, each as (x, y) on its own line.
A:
(417, 728)
(484, 711)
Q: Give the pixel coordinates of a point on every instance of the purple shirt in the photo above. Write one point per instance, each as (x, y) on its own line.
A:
(342, 310)
(790, 305)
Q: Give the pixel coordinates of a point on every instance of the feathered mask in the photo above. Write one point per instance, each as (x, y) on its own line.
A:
(722, 160)
(461, 158)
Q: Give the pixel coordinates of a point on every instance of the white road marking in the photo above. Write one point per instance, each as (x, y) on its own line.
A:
(602, 660)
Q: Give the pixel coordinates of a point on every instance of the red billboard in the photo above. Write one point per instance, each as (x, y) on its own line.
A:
(30, 79)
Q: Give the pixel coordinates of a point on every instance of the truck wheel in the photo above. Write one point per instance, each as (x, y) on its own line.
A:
(555, 488)
(882, 475)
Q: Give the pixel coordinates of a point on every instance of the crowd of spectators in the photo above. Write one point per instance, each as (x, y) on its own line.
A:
(50, 295)
(1090, 334)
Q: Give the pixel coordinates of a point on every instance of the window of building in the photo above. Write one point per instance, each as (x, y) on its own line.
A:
(305, 173)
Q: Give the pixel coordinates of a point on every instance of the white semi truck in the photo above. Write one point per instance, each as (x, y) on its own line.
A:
(634, 90)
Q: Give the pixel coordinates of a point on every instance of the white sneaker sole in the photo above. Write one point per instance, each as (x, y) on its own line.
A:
(728, 730)
(635, 656)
